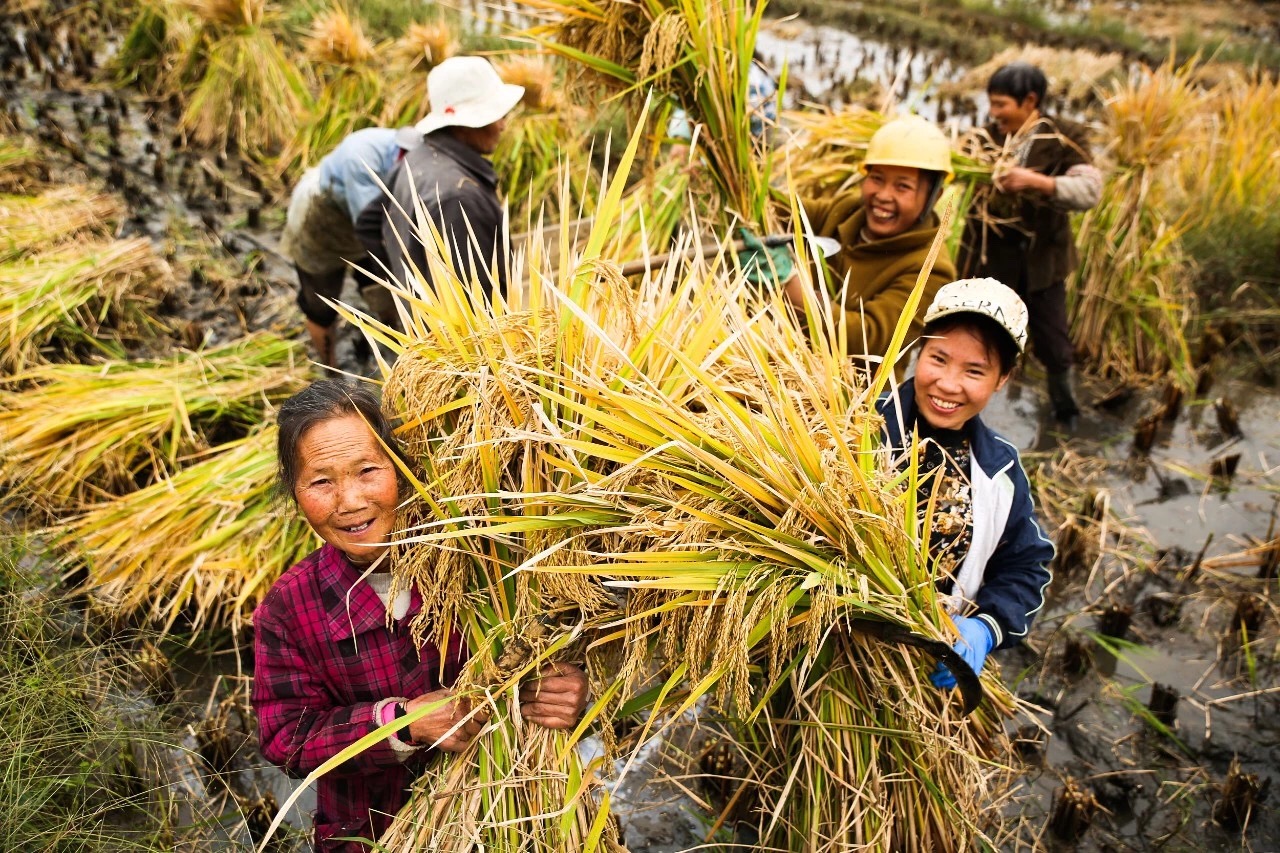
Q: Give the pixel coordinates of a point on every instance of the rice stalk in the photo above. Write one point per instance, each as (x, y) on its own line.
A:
(696, 52)
(1132, 298)
(229, 14)
(29, 223)
(1226, 188)
(71, 434)
(205, 544)
(670, 472)
(845, 742)
(244, 88)
(77, 298)
(19, 165)
(150, 50)
(337, 38)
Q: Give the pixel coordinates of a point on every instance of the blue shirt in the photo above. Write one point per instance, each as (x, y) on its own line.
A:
(344, 172)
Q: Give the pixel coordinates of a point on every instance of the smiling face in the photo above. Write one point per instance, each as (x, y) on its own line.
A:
(347, 487)
(955, 377)
(1009, 113)
(894, 197)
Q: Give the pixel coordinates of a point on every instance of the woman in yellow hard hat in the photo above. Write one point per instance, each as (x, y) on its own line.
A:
(885, 229)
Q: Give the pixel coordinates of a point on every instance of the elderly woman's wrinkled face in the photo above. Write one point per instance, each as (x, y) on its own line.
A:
(347, 487)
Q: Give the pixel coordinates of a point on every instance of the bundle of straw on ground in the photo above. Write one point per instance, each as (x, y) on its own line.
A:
(351, 88)
(409, 59)
(244, 89)
(30, 223)
(20, 169)
(697, 52)
(204, 545)
(1132, 297)
(666, 475)
(84, 298)
(151, 48)
(72, 434)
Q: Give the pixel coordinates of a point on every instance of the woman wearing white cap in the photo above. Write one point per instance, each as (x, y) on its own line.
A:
(450, 175)
(992, 556)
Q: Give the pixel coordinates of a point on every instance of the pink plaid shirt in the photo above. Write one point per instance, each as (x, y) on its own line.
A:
(324, 659)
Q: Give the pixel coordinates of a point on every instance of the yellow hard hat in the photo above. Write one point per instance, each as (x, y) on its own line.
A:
(910, 141)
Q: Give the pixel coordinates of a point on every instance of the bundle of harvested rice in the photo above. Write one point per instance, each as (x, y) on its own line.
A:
(824, 153)
(152, 47)
(698, 53)
(77, 298)
(79, 433)
(205, 544)
(547, 145)
(20, 169)
(351, 89)
(1075, 76)
(1228, 185)
(667, 475)
(246, 90)
(31, 223)
(421, 48)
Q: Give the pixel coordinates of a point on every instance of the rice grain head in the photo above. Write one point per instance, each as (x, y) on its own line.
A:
(338, 39)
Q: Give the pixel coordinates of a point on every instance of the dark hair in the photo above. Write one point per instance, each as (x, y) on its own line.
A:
(320, 402)
(1017, 80)
(994, 337)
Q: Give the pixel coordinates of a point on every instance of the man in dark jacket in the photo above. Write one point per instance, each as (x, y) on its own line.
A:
(449, 177)
(1026, 241)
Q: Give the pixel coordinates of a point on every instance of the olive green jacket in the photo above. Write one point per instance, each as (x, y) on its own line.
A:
(881, 273)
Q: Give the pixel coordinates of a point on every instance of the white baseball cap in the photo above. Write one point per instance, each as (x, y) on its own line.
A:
(466, 91)
(984, 296)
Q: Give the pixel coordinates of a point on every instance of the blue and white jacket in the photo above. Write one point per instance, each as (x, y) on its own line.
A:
(1003, 578)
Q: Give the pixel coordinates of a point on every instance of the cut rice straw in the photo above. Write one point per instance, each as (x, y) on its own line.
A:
(35, 223)
(77, 433)
(204, 545)
(76, 296)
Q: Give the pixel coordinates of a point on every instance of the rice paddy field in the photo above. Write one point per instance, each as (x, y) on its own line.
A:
(687, 436)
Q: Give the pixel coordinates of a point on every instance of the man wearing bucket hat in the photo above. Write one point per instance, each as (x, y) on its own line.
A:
(319, 230)
(1025, 238)
(885, 229)
(450, 176)
(991, 555)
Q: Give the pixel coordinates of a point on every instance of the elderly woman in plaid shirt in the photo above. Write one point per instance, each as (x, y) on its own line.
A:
(333, 656)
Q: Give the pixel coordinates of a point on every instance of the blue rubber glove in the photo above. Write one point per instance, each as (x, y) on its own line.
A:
(974, 645)
(764, 265)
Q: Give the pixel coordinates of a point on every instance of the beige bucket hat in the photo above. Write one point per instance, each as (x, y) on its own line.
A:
(466, 91)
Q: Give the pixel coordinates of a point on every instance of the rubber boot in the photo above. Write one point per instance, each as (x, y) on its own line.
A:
(1061, 398)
